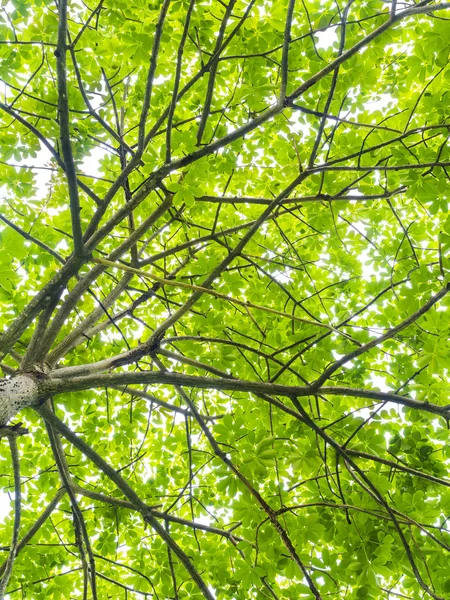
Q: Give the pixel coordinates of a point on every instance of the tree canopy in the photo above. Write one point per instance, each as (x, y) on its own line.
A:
(224, 268)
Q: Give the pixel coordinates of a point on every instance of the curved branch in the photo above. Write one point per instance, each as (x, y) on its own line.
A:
(17, 513)
(389, 334)
(56, 385)
(158, 514)
(128, 492)
(37, 524)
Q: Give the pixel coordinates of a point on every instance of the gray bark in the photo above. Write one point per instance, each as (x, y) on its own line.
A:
(17, 393)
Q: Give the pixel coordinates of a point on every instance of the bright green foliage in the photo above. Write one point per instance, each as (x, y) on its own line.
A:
(208, 111)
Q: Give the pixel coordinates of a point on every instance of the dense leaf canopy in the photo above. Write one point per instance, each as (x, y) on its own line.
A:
(224, 262)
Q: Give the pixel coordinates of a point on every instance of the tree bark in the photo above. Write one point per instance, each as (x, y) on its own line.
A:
(16, 393)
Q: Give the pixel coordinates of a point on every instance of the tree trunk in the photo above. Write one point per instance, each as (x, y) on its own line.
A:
(16, 393)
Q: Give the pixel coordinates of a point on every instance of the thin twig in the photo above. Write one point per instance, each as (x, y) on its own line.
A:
(17, 513)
